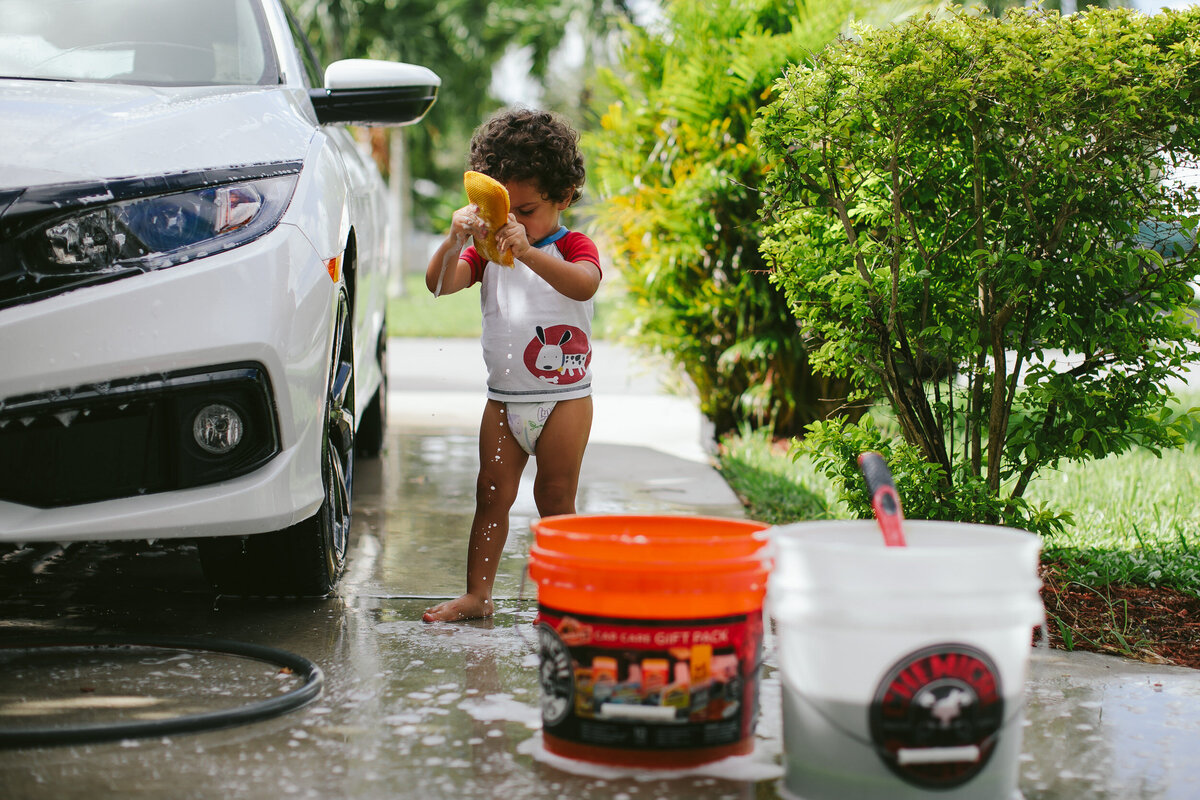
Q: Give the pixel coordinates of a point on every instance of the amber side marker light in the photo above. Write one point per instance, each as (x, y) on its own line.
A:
(334, 266)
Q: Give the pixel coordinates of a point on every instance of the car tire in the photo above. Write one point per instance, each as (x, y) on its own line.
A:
(308, 558)
(368, 439)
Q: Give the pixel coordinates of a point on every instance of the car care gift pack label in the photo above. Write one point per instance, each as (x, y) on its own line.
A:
(649, 684)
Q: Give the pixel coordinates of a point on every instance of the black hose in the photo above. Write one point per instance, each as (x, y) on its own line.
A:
(309, 689)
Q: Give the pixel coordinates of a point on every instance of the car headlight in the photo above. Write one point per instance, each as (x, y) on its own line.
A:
(159, 231)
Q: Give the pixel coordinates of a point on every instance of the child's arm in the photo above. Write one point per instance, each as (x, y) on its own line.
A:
(577, 280)
(447, 273)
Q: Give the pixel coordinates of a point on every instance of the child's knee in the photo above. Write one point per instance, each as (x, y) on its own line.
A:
(490, 490)
(554, 495)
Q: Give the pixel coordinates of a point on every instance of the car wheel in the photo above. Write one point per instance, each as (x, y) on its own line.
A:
(368, 439)
(309, 557)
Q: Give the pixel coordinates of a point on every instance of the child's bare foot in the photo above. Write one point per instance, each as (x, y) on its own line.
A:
(466, 607)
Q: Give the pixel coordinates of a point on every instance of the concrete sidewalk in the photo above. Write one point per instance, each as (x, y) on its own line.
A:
(439, 385)
(1096, 726)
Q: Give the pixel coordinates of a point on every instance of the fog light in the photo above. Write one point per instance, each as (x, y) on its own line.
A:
(217, 429)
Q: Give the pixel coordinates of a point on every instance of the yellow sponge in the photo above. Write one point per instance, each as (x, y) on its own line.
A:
(492, 199)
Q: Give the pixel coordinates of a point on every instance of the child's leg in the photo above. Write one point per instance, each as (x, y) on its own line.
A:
(501, 462)
(560, 456)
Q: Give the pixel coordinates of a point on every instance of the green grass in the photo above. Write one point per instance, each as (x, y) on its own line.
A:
(416, 312)
(1135, 520)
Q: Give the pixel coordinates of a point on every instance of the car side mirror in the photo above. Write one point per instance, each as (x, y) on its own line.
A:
(364, 91)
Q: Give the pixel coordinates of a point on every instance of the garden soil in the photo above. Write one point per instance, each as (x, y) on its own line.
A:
(1153, 624)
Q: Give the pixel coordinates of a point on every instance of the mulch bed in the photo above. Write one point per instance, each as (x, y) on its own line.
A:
(1157, 625)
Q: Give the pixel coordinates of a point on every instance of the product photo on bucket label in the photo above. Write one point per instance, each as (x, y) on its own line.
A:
(677, 691)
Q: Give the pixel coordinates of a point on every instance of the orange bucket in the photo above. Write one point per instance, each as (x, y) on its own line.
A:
(650, 636)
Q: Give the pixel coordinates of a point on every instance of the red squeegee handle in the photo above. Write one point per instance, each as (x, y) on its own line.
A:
(885, 501)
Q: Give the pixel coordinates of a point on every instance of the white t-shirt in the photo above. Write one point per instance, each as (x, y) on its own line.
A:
(536, 342)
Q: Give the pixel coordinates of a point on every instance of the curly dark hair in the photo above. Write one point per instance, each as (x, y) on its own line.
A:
(525, 144)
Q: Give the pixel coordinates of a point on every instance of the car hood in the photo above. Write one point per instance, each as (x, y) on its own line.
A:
(60, 132)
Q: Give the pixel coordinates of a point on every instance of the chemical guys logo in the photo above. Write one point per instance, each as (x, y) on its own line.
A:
(559, 354)
(556, 676)
(936, 716)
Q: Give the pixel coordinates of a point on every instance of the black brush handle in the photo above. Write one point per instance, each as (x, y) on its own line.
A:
(884, 499)
(878, 476)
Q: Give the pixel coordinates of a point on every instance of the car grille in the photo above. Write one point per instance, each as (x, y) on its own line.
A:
(130, 437)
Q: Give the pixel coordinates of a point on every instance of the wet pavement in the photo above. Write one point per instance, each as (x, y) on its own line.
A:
(421, 711)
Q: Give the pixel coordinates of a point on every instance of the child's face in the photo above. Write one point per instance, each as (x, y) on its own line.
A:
(535, 212)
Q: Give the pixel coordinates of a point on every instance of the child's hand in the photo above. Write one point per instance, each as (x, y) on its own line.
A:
(512, 237)
(466, 223)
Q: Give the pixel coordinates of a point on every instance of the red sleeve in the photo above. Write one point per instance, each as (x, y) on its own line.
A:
(576, 246)
(476, 261)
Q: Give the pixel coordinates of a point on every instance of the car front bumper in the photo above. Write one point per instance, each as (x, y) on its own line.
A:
(256, 318)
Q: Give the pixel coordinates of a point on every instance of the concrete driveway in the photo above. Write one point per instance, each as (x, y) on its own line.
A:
(421, 711)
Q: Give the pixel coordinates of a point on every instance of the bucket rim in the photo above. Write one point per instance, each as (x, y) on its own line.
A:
(987, 537)
(551, 525)
(756, 562)
(566, 533)
(648, 515)
(638, 538)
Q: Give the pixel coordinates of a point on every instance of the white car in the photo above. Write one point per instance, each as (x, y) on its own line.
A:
(194, 262)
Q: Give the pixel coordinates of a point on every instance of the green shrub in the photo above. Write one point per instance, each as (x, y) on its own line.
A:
(957, 217)
(680, 182)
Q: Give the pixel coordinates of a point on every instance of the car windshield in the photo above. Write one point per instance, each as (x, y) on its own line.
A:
(157, 42)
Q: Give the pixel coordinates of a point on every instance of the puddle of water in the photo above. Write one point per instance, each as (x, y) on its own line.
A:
(761, 765)
(67, 686)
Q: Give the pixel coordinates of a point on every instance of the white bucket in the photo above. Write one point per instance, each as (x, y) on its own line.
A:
(903, 668)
